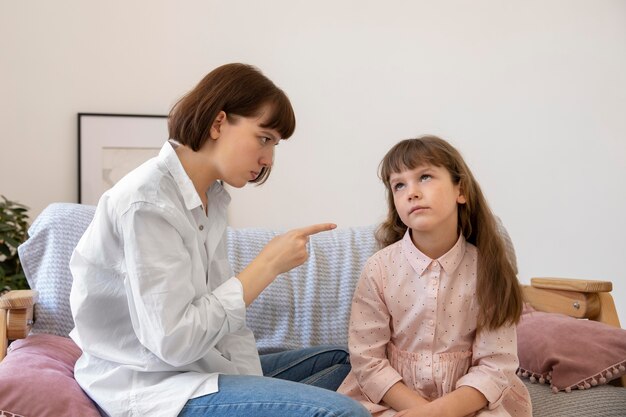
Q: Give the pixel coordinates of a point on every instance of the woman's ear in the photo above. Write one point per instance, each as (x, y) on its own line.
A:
(216, 127)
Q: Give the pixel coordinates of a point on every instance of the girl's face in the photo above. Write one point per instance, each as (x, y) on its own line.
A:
(426, 200)
(242, 147)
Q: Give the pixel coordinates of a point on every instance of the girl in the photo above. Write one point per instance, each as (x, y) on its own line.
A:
(432, 328)
(158, 313)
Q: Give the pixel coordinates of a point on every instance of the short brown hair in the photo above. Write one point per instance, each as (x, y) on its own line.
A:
(238, 90)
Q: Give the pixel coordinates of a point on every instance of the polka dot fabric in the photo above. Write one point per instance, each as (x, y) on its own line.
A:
(414, 319)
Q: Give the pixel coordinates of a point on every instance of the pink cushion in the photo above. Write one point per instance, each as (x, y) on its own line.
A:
(37, 379)
(569, 353)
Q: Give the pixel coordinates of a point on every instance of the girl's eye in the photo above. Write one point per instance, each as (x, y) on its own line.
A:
(397, 186)
(425, 177)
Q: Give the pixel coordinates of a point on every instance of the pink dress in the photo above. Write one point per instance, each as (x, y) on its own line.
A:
(414, 319)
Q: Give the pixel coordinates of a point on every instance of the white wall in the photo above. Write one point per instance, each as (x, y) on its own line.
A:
(533, 93)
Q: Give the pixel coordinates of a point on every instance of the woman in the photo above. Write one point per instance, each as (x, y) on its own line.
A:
(158, 313)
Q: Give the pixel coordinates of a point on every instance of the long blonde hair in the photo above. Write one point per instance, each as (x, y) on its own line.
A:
(498, 291)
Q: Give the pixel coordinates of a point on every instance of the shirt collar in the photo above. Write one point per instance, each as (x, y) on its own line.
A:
(215, 194)
(420, 262)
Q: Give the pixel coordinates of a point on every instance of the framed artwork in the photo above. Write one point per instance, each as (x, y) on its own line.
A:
(111, 145)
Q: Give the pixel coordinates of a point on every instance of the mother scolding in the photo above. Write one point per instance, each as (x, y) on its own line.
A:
(158, 313)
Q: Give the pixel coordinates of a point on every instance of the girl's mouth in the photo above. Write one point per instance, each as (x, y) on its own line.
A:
(417, 209)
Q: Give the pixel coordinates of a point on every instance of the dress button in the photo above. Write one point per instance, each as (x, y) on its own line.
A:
(434, 282)
(201, 227)
(431, 322)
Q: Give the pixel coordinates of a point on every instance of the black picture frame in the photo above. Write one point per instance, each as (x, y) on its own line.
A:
(110, 145)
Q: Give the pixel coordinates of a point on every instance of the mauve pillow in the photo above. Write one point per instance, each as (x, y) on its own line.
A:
(569, 353)
(37, 379)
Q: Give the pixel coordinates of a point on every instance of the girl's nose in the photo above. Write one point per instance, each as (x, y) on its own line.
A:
(414, 193)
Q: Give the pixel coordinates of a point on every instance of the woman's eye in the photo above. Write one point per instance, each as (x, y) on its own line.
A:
(266, 140)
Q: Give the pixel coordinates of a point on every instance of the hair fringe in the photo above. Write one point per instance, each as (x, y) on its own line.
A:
(238, 90)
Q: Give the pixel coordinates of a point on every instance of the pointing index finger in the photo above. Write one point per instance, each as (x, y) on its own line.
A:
(315, 228)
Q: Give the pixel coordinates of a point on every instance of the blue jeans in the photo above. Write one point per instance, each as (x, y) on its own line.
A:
(297, 383)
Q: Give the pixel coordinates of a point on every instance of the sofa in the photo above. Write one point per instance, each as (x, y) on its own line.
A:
(308, 306)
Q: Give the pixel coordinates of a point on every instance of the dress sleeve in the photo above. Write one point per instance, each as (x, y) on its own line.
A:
(167, 316)
(494, 358)
(369, 334)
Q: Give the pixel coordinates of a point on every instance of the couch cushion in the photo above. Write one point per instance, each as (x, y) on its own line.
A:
(604, 400)
(309, 305)
(45, 257)
(37, 379)
(569, 353)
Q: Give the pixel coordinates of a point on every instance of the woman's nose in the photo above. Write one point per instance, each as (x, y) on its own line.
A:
(267, 158)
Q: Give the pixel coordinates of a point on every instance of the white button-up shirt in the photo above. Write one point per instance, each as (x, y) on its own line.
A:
(157, 311)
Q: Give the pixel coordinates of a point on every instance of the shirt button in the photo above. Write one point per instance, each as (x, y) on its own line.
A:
(201, 227)
(431, 322)
(434, 282)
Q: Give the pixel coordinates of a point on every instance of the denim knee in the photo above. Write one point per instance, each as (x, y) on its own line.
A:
(347, 407)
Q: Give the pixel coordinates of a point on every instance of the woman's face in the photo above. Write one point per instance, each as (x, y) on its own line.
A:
(242, 147)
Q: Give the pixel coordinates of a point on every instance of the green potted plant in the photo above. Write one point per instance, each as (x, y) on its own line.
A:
(13, 231)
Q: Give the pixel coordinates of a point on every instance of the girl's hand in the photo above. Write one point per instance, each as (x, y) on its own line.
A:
(401, 397)
(464, 401)
(281, 254)
(425, 410)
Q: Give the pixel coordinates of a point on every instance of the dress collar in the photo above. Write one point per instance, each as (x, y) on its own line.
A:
(420, 262)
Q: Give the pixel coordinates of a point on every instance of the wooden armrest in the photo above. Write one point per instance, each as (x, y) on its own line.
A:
(19, 299)
(16, 316)
(570, 284)
(578, 298)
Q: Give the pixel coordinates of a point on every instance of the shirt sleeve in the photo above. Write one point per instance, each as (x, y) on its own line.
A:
(369, 334)
(240, 348)
(167, 316)
(494, 357)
